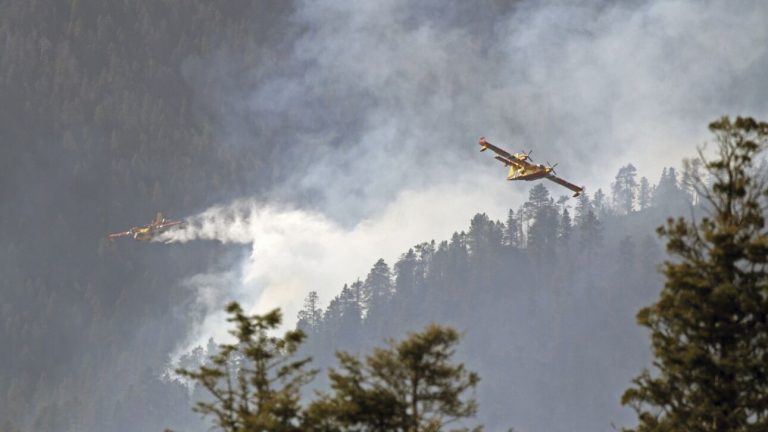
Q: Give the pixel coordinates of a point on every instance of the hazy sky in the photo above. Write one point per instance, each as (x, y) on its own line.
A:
(376, 108)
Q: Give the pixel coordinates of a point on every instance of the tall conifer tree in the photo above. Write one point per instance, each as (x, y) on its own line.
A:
(644, 194)
(253, 383)
(709, 328)
(511, 230)
(310, 316)
(411, 386)
(624, 189)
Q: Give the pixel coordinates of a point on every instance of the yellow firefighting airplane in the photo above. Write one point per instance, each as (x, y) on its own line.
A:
(521, 168)
(147, 232)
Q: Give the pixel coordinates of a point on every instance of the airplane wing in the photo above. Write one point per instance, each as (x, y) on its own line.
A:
(502, 155)
(486, 145)
(507, 162)
(567, 184)
(120, 234)
(170, 224)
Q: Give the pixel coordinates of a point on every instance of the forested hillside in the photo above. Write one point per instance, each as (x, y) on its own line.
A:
(546, 299)
(103, 122)
(113, 110)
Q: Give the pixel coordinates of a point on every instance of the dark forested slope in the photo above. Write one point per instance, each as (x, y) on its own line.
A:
(546, 299)
(110, 113)
(103, 121)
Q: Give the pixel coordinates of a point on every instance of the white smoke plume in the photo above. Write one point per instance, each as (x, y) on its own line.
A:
(372, 111)
(294, 251)
(377, 107)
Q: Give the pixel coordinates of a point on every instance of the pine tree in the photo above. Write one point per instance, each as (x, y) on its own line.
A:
(709, 327)
(590, 233)
(625, 189)
(310, 316)
(600, 203)
(335, 309)
(351, 312)
(254, 383)
(692, 169)
(377, 288)
(644, 194)
(543, 231)
(538, 197)
(522, 224)
(667, 193)
(378, 283)
(405, 273)
(583, 207)
(511, 230)
(410, 386)
(333, 316)
(425, 253)
(484, 237)
(565, 228)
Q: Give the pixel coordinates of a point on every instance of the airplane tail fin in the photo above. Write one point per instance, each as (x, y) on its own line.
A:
(158, 218)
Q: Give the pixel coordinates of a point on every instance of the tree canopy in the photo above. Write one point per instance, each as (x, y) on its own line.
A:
(709, 327)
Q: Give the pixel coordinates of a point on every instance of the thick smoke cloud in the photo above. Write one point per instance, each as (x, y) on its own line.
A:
(293, 251)
(377, 106)
(592, 85)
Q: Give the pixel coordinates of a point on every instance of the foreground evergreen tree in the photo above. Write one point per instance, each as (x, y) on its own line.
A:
(709, 328)
(255, 382)
(411, 386)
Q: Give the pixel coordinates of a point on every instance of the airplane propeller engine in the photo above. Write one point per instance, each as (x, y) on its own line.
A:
(552, 167)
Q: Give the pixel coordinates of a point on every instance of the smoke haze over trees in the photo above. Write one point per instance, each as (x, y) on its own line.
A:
(113, 110)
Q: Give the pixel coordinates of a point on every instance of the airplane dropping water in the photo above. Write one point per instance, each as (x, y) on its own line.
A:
(149, 231)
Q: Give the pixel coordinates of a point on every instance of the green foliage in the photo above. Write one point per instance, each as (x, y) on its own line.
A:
(709, 327)
(255, 382)
(410, 386)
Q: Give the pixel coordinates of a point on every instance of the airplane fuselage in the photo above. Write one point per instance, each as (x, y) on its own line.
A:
(144, 233)
(528, 173)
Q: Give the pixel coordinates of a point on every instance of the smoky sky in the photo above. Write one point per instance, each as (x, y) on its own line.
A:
(363, 100)
(371, 113)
